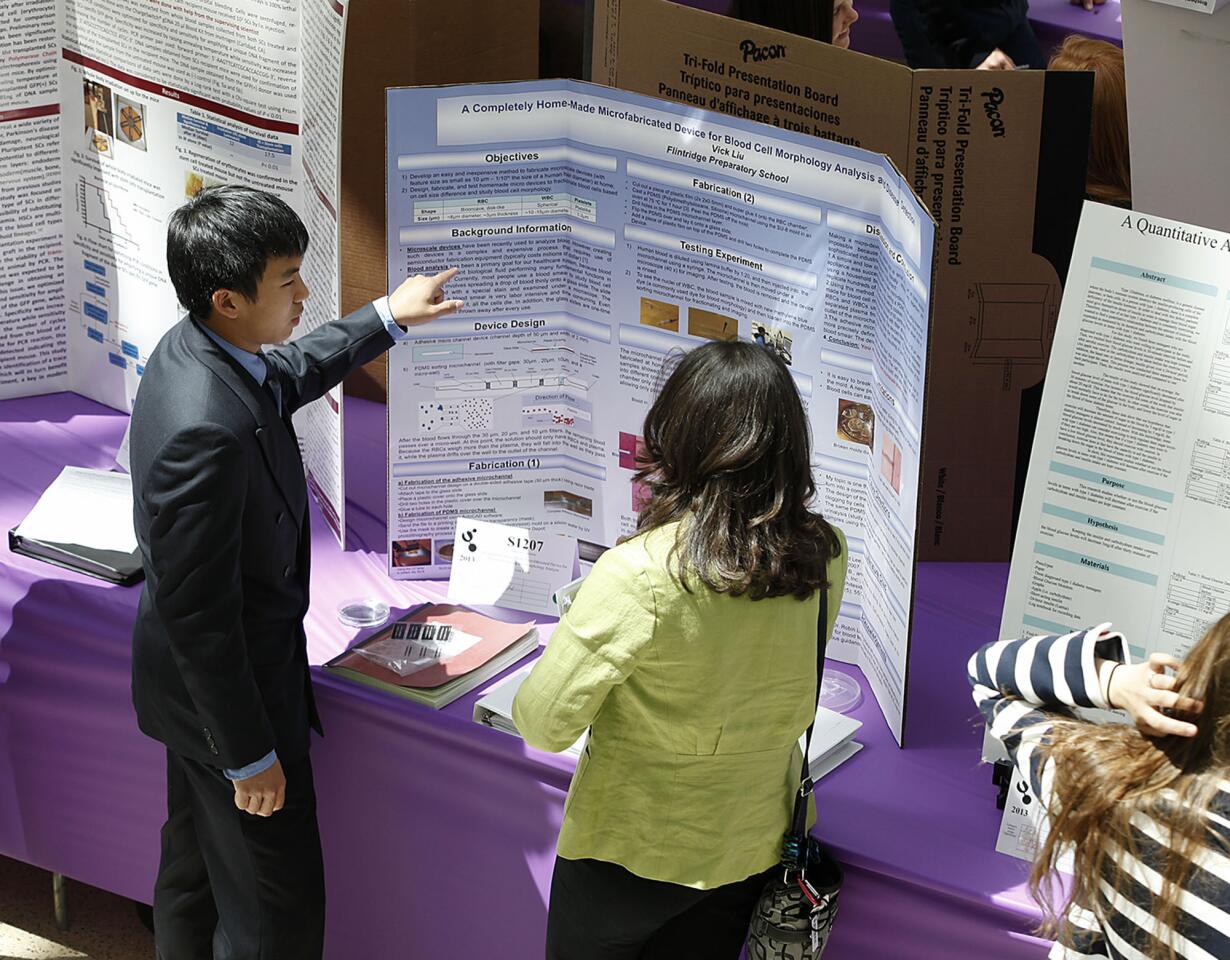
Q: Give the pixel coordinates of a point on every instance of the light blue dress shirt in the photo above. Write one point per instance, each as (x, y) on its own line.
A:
(254, 364)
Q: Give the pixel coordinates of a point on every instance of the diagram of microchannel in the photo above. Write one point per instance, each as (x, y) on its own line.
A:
(469, 406)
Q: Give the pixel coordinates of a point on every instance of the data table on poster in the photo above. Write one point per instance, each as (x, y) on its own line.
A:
(490, 208)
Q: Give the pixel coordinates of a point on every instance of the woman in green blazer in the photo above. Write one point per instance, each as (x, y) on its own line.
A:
(690, 654)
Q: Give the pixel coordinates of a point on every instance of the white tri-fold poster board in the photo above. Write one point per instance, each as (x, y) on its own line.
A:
(119, 112)
(600, 232)
(1126, 513)
(1127, 505)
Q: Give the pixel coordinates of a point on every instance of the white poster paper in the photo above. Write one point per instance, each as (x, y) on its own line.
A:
(320, 425)
(1024, 826)
(599, 232)
(33, 345)
(88, 508)
(514, 567)
(1127, 507)
(151, 114)
(116, 111)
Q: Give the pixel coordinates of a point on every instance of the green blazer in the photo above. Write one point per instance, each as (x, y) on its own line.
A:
(695, 703)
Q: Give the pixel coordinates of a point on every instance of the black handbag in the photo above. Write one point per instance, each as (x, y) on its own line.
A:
(794, 915)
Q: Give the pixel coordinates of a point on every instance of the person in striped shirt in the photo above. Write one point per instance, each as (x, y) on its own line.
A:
(1145, 809)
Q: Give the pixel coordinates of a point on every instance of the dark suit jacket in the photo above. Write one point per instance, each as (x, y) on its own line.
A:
(219, 667)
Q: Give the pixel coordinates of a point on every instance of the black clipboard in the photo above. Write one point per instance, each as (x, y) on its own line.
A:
(113, 566)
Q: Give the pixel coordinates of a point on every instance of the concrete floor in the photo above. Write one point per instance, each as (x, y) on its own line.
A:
(102, 925)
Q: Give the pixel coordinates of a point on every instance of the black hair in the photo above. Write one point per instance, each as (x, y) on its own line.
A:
(728, 451)
(222, 239)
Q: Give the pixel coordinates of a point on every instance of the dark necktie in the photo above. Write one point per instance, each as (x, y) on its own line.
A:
(271, 386)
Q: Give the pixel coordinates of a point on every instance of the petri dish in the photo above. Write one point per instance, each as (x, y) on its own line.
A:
(839, 691)
(362, 612)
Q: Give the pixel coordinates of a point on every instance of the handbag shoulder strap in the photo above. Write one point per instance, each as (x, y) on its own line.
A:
(798, 826)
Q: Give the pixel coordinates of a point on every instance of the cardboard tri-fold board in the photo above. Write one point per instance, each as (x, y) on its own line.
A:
(397, 43)
(999, 159)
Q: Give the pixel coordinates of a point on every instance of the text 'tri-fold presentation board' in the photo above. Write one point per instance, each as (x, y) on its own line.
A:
(997, 157)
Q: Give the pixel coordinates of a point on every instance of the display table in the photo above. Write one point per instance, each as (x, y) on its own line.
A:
(438, 833)
(1052, 20)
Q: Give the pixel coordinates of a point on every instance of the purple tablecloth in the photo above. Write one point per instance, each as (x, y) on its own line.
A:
(1052, 20)
(438, 833)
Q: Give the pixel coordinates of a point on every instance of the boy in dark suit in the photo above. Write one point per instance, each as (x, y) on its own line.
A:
(220, 671)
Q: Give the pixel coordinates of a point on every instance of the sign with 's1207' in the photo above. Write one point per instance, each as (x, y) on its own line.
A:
(503, 566)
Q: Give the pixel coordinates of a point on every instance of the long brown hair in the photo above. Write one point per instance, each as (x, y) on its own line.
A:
(1107, 774)
(1109, 175)
(727, 449)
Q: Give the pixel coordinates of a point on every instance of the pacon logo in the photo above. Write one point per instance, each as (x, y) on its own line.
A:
(774, 51)
(992, 100)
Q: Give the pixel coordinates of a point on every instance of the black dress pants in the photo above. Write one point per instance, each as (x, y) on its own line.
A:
(600, 911)
(233, 886)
